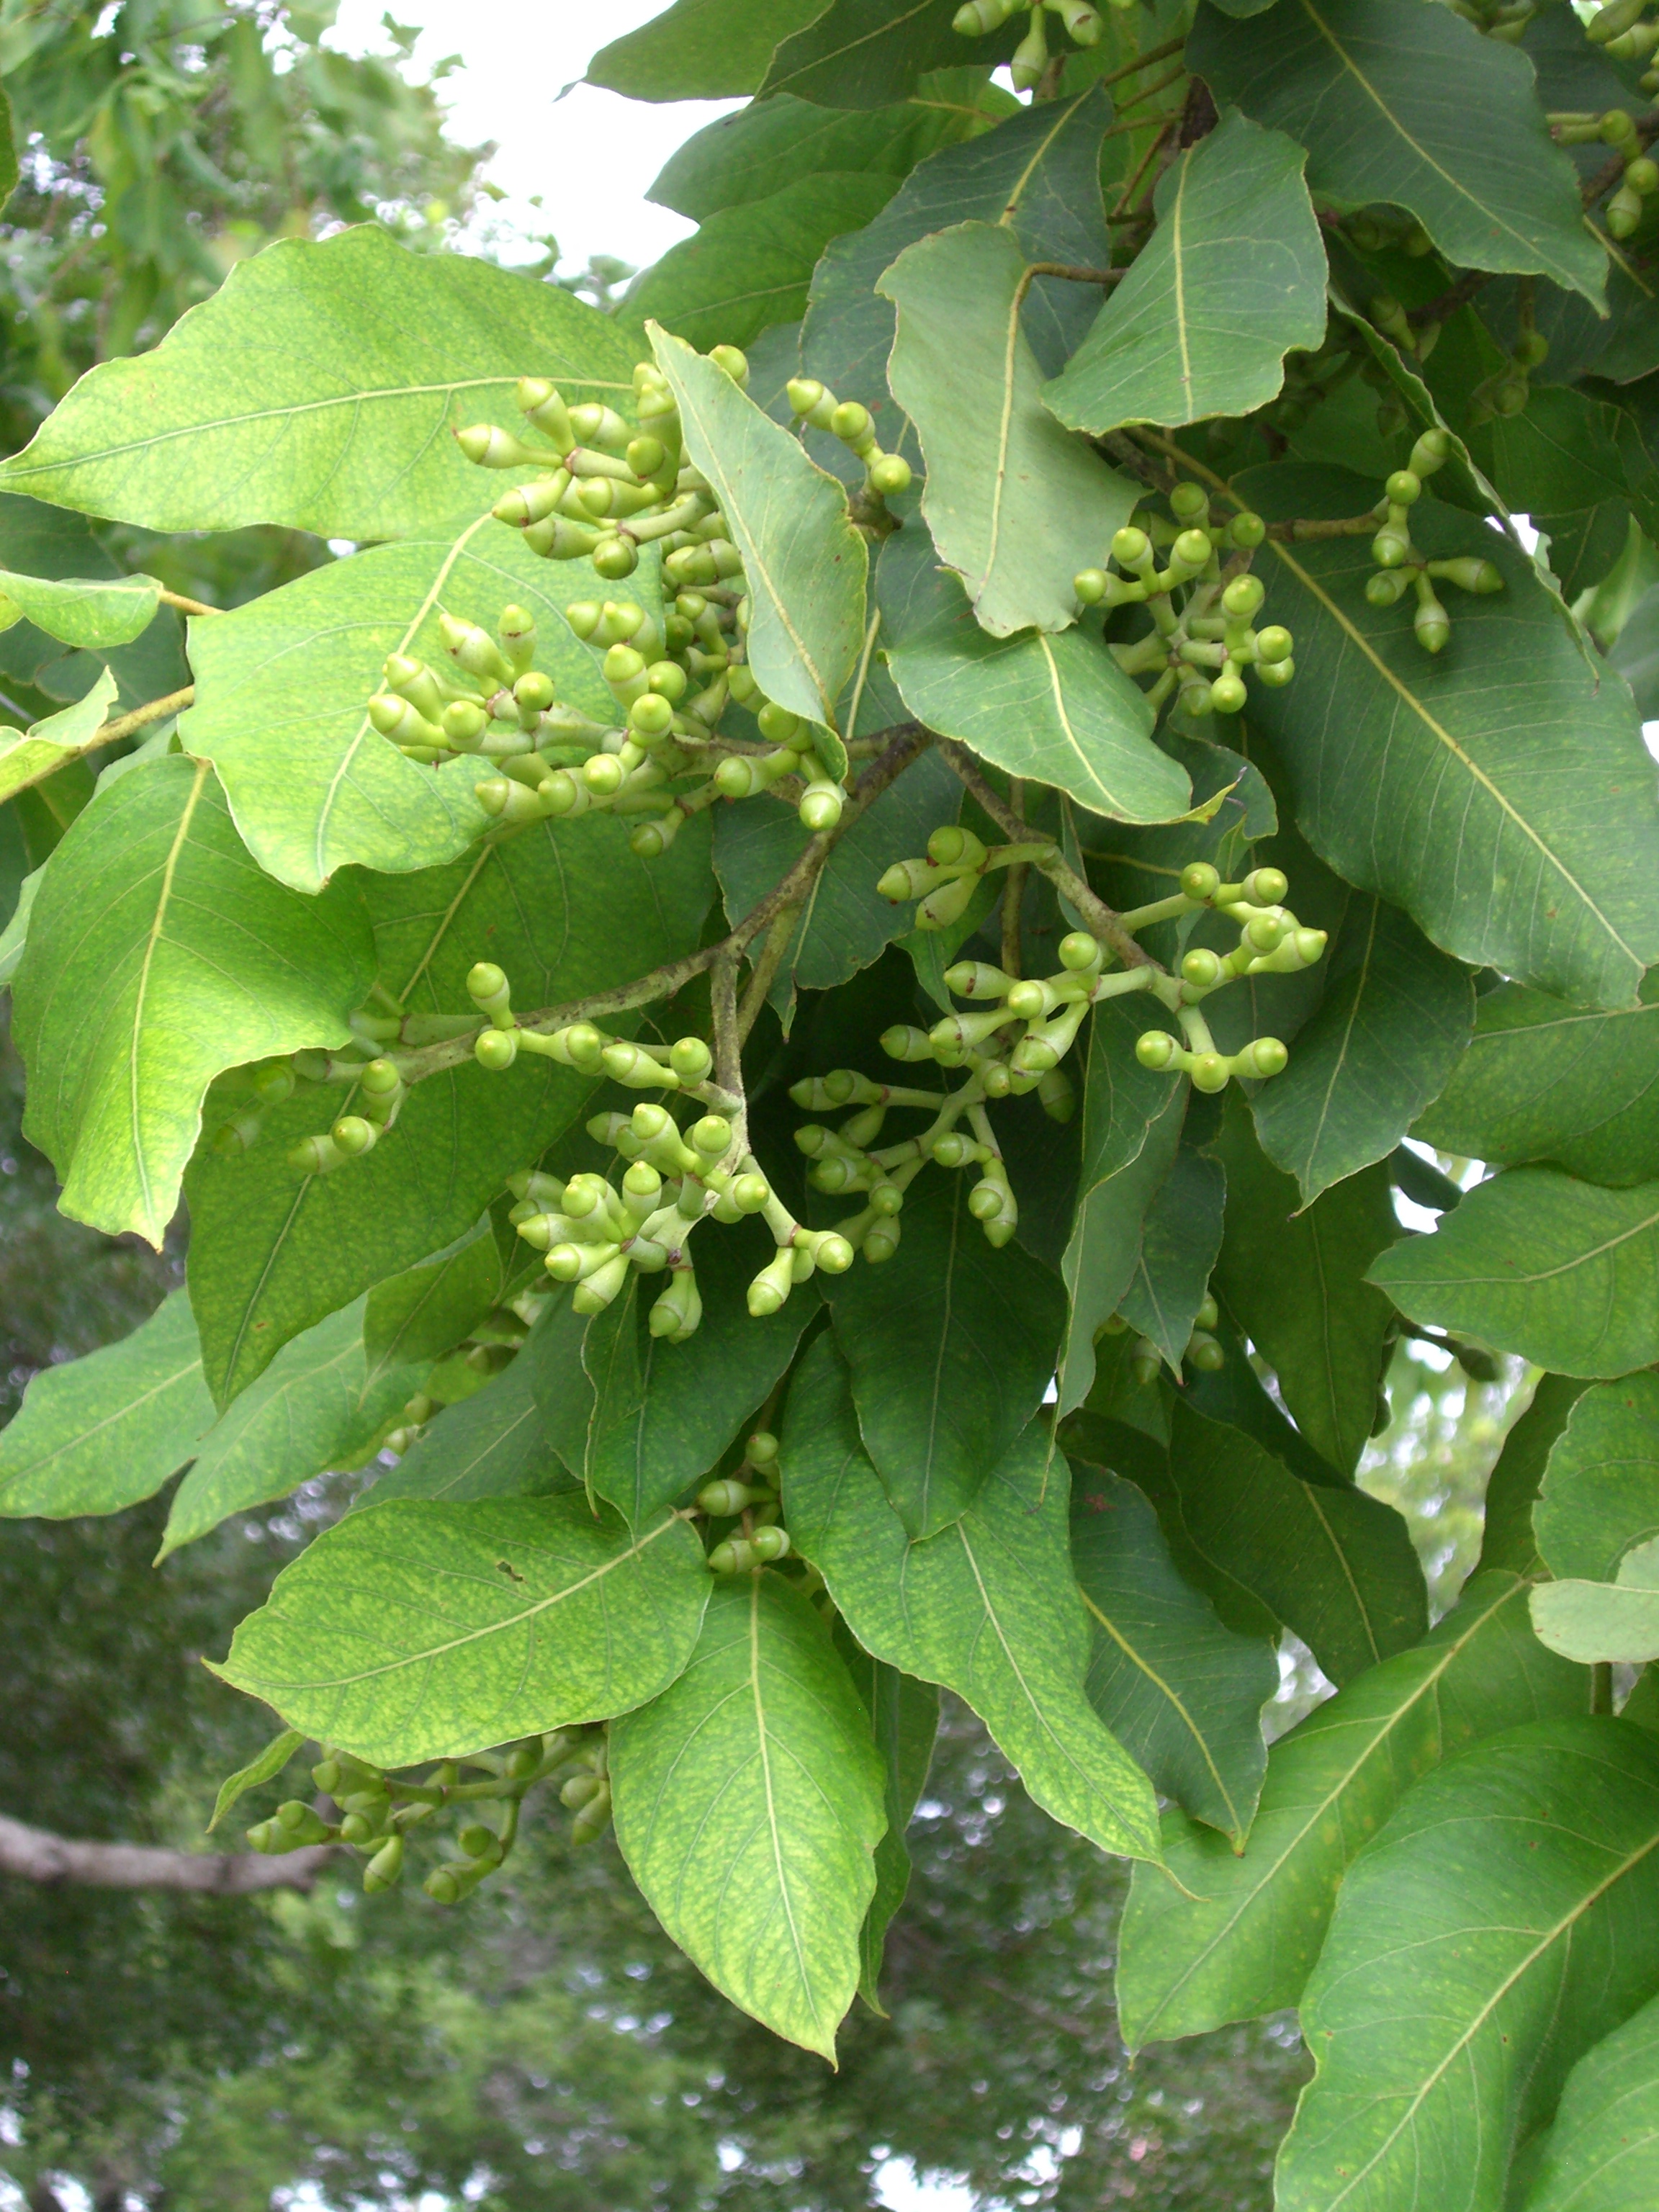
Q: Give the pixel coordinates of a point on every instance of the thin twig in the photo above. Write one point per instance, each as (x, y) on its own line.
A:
(1014, 888)
(187, 606)
(766, 969)
(1101, 919)
(908, 741)
(1074, 275)
(1122, 211)
(140, 717)
(1144, 61)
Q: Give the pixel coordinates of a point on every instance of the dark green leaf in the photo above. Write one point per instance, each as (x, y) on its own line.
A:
(1475, 1982)
(1600, 1490)
(663, 1413)
(1400, 103)
(414, 1631)
(490, 1445)
(317, 1406)
(1016, 504)
(1562, 1272)
(1393, 1022)
(565, 911)
(865, 53)
(749, 1803)
(427, 1310)
(1039, 171)
(1494, 791)
(1181, 1693)
(558, 1382)
(1235, 1393)
(700, 49)
(98, 1434)
(749, 266)
(1180, 1238)
(1601, 2153)
(1512, 1486)
(904, 1722)
(317, 389)
(1242, 1935)
(989, 1608)
(1544, 1081)
(1331, 1563)
(1295, 1280)
(158, 956)
(942, 1401)
(1230, 281)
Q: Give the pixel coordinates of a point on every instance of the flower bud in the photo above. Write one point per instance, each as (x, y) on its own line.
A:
(903, 1042)
(906, 879)
(1430, 623)
(1246, 531)
(354, 1134)
(890, 475)
(1156, 1048)
(830, 1251)
(881, 1241)
(488, 447)
(538, 399)
(804, 393)
(711, 1137)
(1468, 574)
(773, 1284)
(1198, 880)
(1243, 597)
(1210, 1071)
(772, 1542)
(1277, 673)
(820, 805)
(947, 903)
(1227, 693)
(594, 1294)
(977, 979)
(1056, 1096)
(396, 719)
(1202, 968)
(1263, 1058)
(735, 364)
(1404, 488)
(677, 1312)
(385, 1869)
(751, 1193)
(1191, 552)
(1131, 547)
(474, 650)
(1203, 1353)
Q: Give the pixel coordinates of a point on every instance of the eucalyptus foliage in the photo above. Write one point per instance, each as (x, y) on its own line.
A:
(806, 994)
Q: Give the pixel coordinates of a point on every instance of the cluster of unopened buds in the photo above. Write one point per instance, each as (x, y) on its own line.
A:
(750, 1498)
(1203, 602)
(1625, 34)
(1030, 58)
(593, 1233)
(1203, 1350)
(1617, 128)
(885, 475)
(376, 1811)
(658, 760)
(1400, 566)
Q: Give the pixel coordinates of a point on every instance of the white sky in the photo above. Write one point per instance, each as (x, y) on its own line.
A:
(592, 156)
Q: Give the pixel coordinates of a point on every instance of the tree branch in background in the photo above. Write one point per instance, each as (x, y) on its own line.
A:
(36, 1855)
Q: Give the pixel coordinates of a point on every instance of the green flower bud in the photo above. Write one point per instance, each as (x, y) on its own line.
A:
(820, 805)
(773, 1542)
(1265, 1057)
(903, 1042)
(906, 879)
(1391, 546)
(650, 1123)
(650, 717)
(1189, 502)
(735, 364)
(590, 1823)
(881, 1241)
(762, 1449)
(1209, 1071)
(632, 1064)
(488, 988)
(316, 1156)
(510, 802)
(1266, 886)
(358, 1828)
(1091, 586)
(850, 423)
(1198, 880)
(1203, 1353)
(830, 1251)
(977, 979)
(595, 425)
(1243, 597)
(1191, 552)
(890, 474)
(1202, 968)
(711, 1137)
(773, 1284)
(1431, 451)
(264, 1836)
(474, 650)
(1131, 548)
(1509, 395)
(354, 1135)
(1388, 587)
(385, 1869)
(1156, 1048)
(396, 719)
(1246, 531)
(751, 1193)
(488, 447)
(538, 399)
(1404, 488)
(604, 774)
(1056, 1096)
(1468, 574)
(1227, 693)
(1277, 673)
(676, 1313)
(496, 1049)
(1431, 621)
(574, 1263)
(976, 17)
(723, 1500)
(653, 839)
(594, 1294)
(1030, 1000)
(947, 903)
(615, 558)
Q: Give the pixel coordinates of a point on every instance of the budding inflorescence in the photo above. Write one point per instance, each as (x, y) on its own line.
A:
(377, 1811)
(1204, 1351)
(1031, 57)
(749, 1497)
(1202, 601)
(885, 475)
(1401, 568)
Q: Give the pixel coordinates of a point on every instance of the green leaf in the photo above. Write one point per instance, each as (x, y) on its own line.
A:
(1562, 1272)
(943, 1401)
(1236, 1394)
(865, 53)
(844, 925)
(1603, 1623)
(492, 1444)
(804, 561)
(85, 611)
(1040, 171)
(663, 1413)
(1331, 1563)
(14, 938)
(414, 1631)
(1240, 1936)
(1181, 1692)
(749, 266)
(318, 388)
(1391, 1030)
(1058, 709)
(158, 956)
(1230, 281)
(1495, 791)
(558, 1380)
(282, 686)
(1016, 504)
(1601, 2153)
(1600, 1489)
(1404, 104)
(1295, 1279)
(98, 1433)
(427, 1310)
(1180, 1237)
(1132, 1123)
(988, 1607)
(1512, 1486)
(318, 1406)
(700, 49)
(746, 158)
(903, 1717)
(755, 1852)
(1456, 1991)
(29, 757)
(269, 1763)
(47, 545)
(566, 910)
(1544, 1081)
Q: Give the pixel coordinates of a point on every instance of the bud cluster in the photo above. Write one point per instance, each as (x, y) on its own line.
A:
(1031, 57)
(885, 475)
(677, 1176)
(1625, 34)
(1204, 1351)
(749, 1497)
(377, 1810)
(1203, 608)
(1400, 566)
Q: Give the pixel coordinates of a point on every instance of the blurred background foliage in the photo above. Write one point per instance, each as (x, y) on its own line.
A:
(546, 2048)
